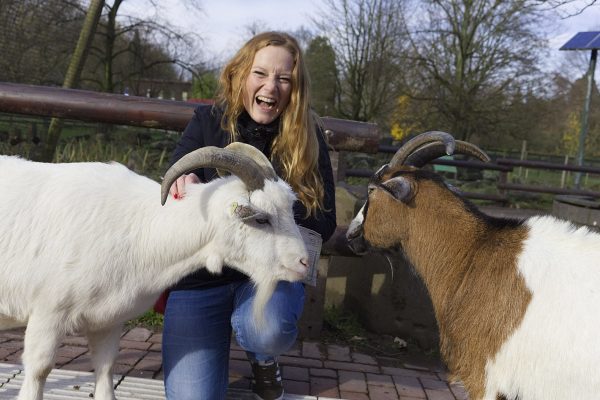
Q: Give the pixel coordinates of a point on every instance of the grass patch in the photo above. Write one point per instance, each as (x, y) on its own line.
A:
(342, 325)
(149, 320)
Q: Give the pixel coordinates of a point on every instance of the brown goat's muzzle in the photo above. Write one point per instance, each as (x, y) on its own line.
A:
(356, 241)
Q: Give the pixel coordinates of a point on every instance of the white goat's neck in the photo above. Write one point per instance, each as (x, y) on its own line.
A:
(182, 224)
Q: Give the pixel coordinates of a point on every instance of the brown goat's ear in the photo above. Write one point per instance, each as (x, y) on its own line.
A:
(401, 188)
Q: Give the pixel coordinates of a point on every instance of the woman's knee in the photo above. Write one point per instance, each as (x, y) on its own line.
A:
(275, 339)
(278, 332)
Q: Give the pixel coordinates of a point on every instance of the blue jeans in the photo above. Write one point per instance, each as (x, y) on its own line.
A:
(197, 333)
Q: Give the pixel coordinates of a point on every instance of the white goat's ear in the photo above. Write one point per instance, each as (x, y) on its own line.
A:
(401, 188)
(244, 211)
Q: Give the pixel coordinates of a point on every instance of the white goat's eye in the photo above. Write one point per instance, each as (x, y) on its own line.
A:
(262, 221)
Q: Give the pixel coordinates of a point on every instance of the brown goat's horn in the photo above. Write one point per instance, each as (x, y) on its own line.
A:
(433, 150)
(413, 144)
(256, 155)
(214, 157)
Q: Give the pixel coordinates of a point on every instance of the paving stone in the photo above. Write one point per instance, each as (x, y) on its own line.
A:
(409, 386)
(156, 347)
(122, 369)
(363, 359)
(13, 344)
(71, 351)
(59, 361)
(300, 362)
(351, 381)
(134, 344)
(79, 364)
(459, 391)
(13, 334)
(240, 368)
(439, 394)
(296, 387)
(130, 356)
(377, 392)
(6, 352)
(295, 373)
(323, 372)
(416, 367)
(137, 334)
(155, 338)
(347, 366)
(239, 382)
(295, 351)
(379, 380)
(238, 355)
(14, 357)
(153, 355)
(408, 372)
(338, 353)
(434, 384)
(325, 387)
(354, 396)
(148, 364)
(311, 350)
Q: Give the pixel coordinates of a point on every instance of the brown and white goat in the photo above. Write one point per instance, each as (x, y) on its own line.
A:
(517, 302)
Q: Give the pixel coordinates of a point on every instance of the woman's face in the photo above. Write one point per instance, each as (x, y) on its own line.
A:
(269, 85)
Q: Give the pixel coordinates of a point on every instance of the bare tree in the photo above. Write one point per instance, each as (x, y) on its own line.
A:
(36, 39)
(72, 76)
(130, 48)
(367, 37)
(470, 56)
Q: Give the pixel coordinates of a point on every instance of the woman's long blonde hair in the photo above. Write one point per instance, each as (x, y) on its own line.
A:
(295, 149)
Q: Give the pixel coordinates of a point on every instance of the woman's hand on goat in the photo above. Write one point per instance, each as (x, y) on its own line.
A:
(178, 187)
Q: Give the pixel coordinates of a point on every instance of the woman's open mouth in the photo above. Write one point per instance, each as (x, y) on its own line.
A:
(266, 103)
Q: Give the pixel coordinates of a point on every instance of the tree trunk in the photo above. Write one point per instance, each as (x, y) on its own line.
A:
(47, 150)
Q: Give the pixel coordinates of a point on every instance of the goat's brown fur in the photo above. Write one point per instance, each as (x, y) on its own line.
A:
(478, 302)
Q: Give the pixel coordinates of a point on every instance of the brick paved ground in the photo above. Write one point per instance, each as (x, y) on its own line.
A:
(310, 368)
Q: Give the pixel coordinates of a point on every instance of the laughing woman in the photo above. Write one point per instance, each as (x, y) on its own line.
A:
(263, 100)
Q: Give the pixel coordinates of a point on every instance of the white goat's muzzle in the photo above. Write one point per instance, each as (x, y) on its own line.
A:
(297, 271)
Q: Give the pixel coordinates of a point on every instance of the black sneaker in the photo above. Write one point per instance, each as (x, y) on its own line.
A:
(266, 382)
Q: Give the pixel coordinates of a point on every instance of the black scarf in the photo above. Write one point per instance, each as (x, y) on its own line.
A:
(255, 134)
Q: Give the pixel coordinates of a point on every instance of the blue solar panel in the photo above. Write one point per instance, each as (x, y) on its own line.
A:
(595, 43)
(583, 41)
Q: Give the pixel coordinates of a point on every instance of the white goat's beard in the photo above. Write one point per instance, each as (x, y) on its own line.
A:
(214, 264)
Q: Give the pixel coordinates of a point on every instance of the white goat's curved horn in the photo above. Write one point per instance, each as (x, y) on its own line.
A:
(433, 150)
(238, 164)
(256, 155)
(413, 144)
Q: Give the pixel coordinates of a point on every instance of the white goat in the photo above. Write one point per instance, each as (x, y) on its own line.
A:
(84, 247)
(517, 302)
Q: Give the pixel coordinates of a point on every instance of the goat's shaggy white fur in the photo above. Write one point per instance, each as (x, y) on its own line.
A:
(555, 350)
(84, 247)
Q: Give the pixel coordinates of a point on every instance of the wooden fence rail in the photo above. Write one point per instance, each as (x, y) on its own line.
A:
(109, 108)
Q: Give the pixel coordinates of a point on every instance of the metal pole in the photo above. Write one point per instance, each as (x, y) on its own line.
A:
(584, 116)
